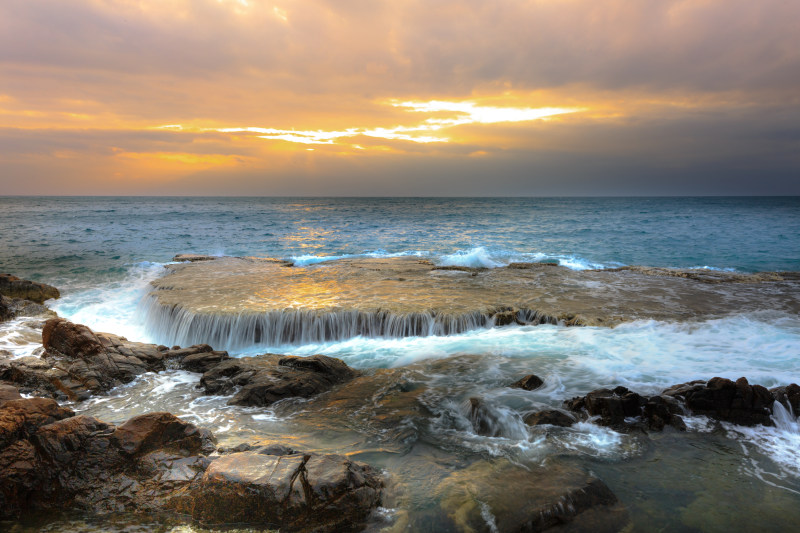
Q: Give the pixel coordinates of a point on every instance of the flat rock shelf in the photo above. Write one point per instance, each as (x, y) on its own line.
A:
(230, 301)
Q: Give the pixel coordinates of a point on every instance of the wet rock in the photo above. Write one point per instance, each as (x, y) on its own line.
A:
(19, 419)
(612, 406)
(78, 362)
(51, 460)
(484, 420)
(302, 492)
(660, 411)
(788, 395)
(14, 287)
(510, 498)
(11, 308)
(552, 417)
(529, 382)
(722, 399)
(8, 392)
(152, 431)
(269, 378)
(204, 361)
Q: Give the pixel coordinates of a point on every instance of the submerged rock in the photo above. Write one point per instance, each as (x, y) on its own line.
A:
(14, 287)
(500, 496)
(552, 417)
(269, 378)
(53, 461)
(529, 382)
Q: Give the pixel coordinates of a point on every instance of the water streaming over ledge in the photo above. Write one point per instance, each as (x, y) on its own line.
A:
(176, 325)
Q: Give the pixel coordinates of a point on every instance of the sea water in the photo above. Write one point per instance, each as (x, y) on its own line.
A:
(103, 252)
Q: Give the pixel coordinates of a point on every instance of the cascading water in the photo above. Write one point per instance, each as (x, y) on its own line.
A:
(176, 325)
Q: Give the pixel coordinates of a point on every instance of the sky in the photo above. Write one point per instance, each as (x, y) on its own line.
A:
(402, 97)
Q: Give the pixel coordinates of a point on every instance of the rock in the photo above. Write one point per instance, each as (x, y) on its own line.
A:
(201, 362)
(14, 287)
(191, 258)
(51, 460)
(722, 399)
(79, 362)
(8, 392)
(554, 497)
(660, 411)
(145, 433)
(788, 395)
(19, 419)
(15, 307)
(529, 382)
(551, 417)
(301, 492)
(612, 406)
(269, 378)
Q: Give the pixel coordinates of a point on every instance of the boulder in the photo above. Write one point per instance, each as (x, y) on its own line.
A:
(529, 382)
(269, 378)
(15, 307)
(552, 417)
(788, 395)
(500, 496)
(612, 406)
(297, 491)
(722, 399)
(152, 431)
(14, 287)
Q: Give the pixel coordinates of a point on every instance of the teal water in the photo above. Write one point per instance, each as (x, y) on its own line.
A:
(72, 241)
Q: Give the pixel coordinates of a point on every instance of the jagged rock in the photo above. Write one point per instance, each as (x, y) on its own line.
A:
(722, 399)
(301, 492)
(484, 420)
(15, 307)
(551, 417)
(51, 460)
(554, 497)
(269, 378)
(660, 411)
(612, 406)
(14, 287)
(79, 362)
(529, 382)
(788, 395)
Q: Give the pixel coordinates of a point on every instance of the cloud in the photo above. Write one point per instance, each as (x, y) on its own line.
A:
(438, 89)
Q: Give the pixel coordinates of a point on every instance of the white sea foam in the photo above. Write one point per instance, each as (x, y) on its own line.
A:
(112, 307)
(645, 355)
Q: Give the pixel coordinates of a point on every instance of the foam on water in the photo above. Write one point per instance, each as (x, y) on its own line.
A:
(645, 356)
(112, 307)
(21, 337)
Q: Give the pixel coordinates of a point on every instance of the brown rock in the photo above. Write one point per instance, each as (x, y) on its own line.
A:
(612, 406)
(145, 433)
(269, 378)
(14, 287)
(301, 492)
(529, 382)
(722, 399)
(551, 417)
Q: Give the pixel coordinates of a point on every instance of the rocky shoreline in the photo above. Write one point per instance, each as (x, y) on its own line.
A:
(52, 460)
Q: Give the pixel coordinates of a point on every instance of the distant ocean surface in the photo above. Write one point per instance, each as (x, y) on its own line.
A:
(72, 241)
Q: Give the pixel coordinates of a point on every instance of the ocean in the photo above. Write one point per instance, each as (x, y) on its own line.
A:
(103, 252)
